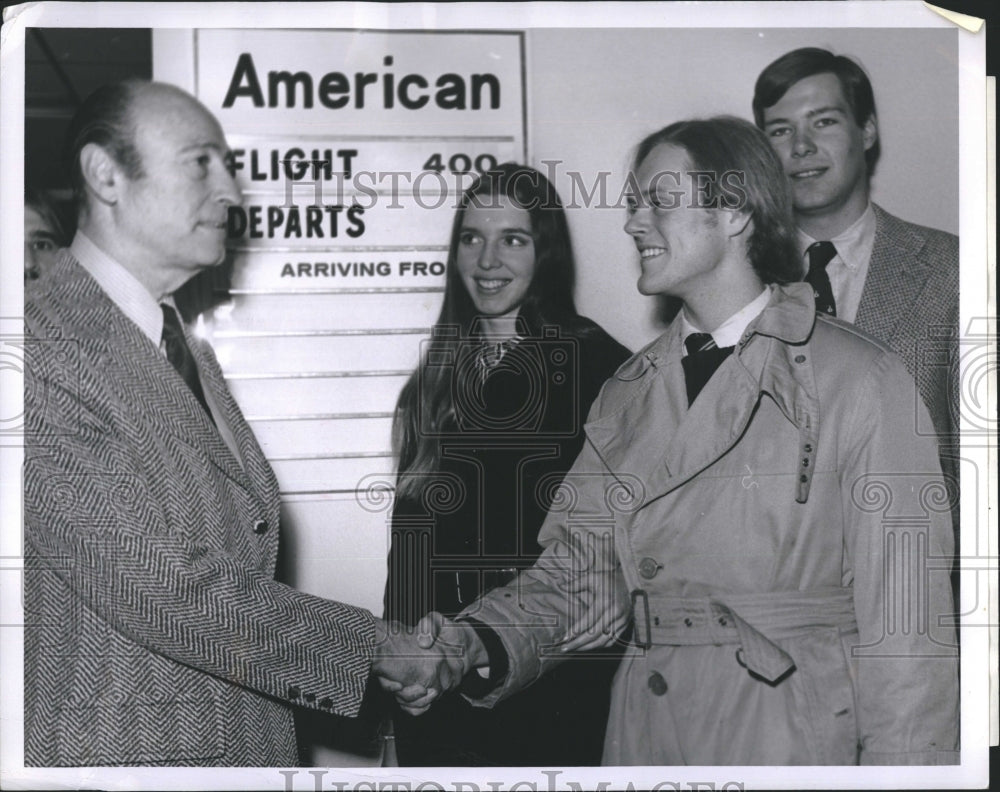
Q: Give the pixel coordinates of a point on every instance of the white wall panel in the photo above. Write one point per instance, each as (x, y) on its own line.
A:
(305, 437)
(333, 311)
(338, 472)
(300, 396)
(318, 351)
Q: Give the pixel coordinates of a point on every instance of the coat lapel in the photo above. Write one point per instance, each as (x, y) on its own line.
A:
(632, 441)
(895, 279)
(713, 424)
(657, 437)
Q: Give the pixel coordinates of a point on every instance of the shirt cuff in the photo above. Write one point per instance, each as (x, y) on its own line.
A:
(474, 685)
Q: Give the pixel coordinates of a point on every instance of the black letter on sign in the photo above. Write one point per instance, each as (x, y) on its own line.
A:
(289, 80)
(244, 69)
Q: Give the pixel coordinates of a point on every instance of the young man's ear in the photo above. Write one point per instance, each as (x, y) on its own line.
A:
(869, 131)
(101, 173)
(736, 221)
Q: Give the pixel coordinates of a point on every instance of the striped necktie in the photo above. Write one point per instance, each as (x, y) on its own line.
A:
(179, 355)
(701, 362)
(821, 254)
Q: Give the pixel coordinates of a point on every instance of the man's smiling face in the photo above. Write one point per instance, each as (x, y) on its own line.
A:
(822, 147)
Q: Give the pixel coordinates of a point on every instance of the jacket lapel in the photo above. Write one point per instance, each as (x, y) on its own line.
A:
(256, 465)
(895, 277)
(132, 366)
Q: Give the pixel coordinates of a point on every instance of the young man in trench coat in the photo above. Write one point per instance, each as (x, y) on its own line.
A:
(780, 527)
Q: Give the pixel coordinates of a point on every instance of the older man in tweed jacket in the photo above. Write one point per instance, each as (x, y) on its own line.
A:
(155, 631)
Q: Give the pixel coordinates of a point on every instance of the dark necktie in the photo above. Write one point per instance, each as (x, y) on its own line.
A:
(179, 354)
(821, 254)
(701, 362)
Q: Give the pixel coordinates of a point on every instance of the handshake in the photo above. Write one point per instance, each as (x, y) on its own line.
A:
(419, 664)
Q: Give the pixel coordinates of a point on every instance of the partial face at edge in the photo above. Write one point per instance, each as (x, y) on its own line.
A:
(41, 243)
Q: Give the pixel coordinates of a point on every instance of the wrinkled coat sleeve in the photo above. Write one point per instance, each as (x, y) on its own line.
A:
(898, 551)
(97, 525)
(533, 612)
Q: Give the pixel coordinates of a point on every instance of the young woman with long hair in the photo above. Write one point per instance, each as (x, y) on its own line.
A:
(485, 429)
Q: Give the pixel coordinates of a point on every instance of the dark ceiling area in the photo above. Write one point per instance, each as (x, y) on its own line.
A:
(62, 67)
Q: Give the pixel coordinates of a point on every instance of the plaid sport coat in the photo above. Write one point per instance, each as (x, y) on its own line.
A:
(910, 302)
(155, 633)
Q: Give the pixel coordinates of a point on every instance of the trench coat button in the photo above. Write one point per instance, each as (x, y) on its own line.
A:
(657, 684)
(293, 692)
(800, 358)
(687, 621)
(260, 527)
(326, 703)
(648, 568)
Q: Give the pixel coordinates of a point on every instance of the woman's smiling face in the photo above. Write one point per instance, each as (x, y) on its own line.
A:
(496, 256)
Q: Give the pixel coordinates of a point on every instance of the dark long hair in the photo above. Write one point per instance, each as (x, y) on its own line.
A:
(426, 404)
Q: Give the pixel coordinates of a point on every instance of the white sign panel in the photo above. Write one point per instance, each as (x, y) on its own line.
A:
(351, 148)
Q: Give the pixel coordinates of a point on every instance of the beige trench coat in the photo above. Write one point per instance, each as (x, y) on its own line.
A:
(786, 542)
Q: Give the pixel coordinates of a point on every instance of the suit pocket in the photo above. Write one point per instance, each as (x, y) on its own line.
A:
(177, 731)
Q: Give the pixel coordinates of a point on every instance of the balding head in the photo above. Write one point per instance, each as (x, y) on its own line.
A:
(107, 119)
(104, 119)
(151, 168)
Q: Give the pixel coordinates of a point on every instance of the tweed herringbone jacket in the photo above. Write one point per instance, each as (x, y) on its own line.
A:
(155, 633)
(910, 302)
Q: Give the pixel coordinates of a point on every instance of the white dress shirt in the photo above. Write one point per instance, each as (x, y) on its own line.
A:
(730, 331)
(849, 268)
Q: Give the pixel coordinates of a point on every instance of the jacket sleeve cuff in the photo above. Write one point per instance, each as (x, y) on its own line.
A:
(475, 685)
(911, 758)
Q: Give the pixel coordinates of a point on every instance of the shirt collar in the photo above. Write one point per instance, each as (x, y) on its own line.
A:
(730, 331)
(853, 244)
(121, 286)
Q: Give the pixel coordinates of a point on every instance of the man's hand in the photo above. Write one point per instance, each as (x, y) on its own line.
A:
(459, 637)
(419, 665)
(415, 668)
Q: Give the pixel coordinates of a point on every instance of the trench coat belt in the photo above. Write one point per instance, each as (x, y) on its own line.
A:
(754, 621)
